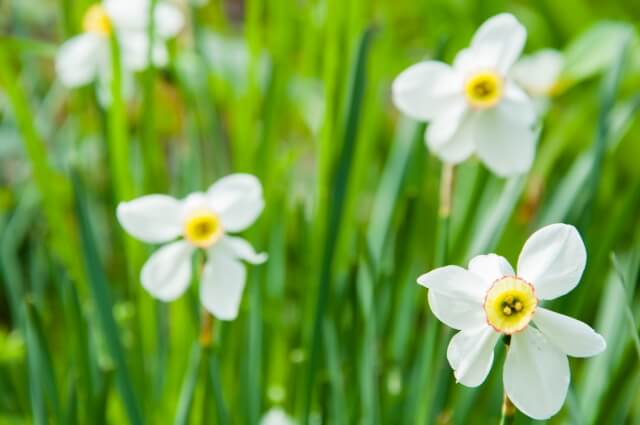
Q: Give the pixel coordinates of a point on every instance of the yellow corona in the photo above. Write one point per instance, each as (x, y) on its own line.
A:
(510, 304)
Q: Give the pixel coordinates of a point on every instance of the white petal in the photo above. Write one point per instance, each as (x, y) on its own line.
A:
(505, 141)
(455, 312)
(450, 136)
(504, 33)
(552, 260)
(470, 354)
(491, 267)
(223, 280)
(571, 336)
(79, 59)
(536, 375)
(167, 273)
(169, 20)
(128, 15)
(151, 218)
(424, 89)
(134, 50)
(538, 73)
(237, 198)
(243, 250)
(455, 282)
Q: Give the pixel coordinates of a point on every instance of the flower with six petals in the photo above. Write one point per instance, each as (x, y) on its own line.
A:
(489, 300)
(475, 106)
(86, 57)
(200, 221)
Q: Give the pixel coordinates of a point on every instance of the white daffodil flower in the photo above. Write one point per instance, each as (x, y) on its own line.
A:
(86, 57)
(538, 74)
(475, 106)
(200, 221)
(489, 300)
(276, 416)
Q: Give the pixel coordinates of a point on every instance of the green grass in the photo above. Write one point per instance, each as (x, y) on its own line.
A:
(333, 328)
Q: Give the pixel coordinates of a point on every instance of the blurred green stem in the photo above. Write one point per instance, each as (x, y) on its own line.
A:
(444, 214)
(508, 409)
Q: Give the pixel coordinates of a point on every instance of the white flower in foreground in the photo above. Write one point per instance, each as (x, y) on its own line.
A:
(276, 416)
(86, 57)
(475, 106)
(539, 75)
(201, 220)
(490, 299)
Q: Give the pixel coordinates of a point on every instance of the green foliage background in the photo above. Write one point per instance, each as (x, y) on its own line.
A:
(334, 327)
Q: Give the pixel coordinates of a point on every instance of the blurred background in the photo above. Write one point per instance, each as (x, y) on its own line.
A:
(333, 328)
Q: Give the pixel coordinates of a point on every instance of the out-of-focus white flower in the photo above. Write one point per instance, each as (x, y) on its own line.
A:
(490, 299)
(86, 57)
(538, 73)
(276, 416)
(475, 106)
(201, 220)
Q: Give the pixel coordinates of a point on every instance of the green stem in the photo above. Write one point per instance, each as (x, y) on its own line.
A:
(118, 140)
(508, 414)
(444, 214)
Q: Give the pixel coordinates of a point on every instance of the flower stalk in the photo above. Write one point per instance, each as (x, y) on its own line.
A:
(508, 411)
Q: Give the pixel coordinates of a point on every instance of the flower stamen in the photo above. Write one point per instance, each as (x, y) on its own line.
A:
(97, 21)
(509, 304)
(203, 229)
(484, 89)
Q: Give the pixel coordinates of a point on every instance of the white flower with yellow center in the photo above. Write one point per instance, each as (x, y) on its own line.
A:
(200, 221)
(86, 57)
(475, 106)
(490, 300)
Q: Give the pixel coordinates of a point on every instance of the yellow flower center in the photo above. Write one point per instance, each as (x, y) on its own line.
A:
(203, 229)
(484, 89)
(510, 304)
(96, 20)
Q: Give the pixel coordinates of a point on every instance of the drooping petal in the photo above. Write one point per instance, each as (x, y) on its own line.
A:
(450, 135)
(504, 33)
(79, 59)
(505, 141)
(167, 273)
(470, 354)
(151, 218)
(222, 284)
(237, 198)
(455, 282)
(455, 312)
(169, 20)
(424, 89)
(490, 267)
(571, 336)
(243, 250)
(536, 374)
(552, 260)
(538, 73)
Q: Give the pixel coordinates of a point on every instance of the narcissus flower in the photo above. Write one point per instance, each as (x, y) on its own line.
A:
(200, 221)
(475, 106)
(489, 300)
(86, 57)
